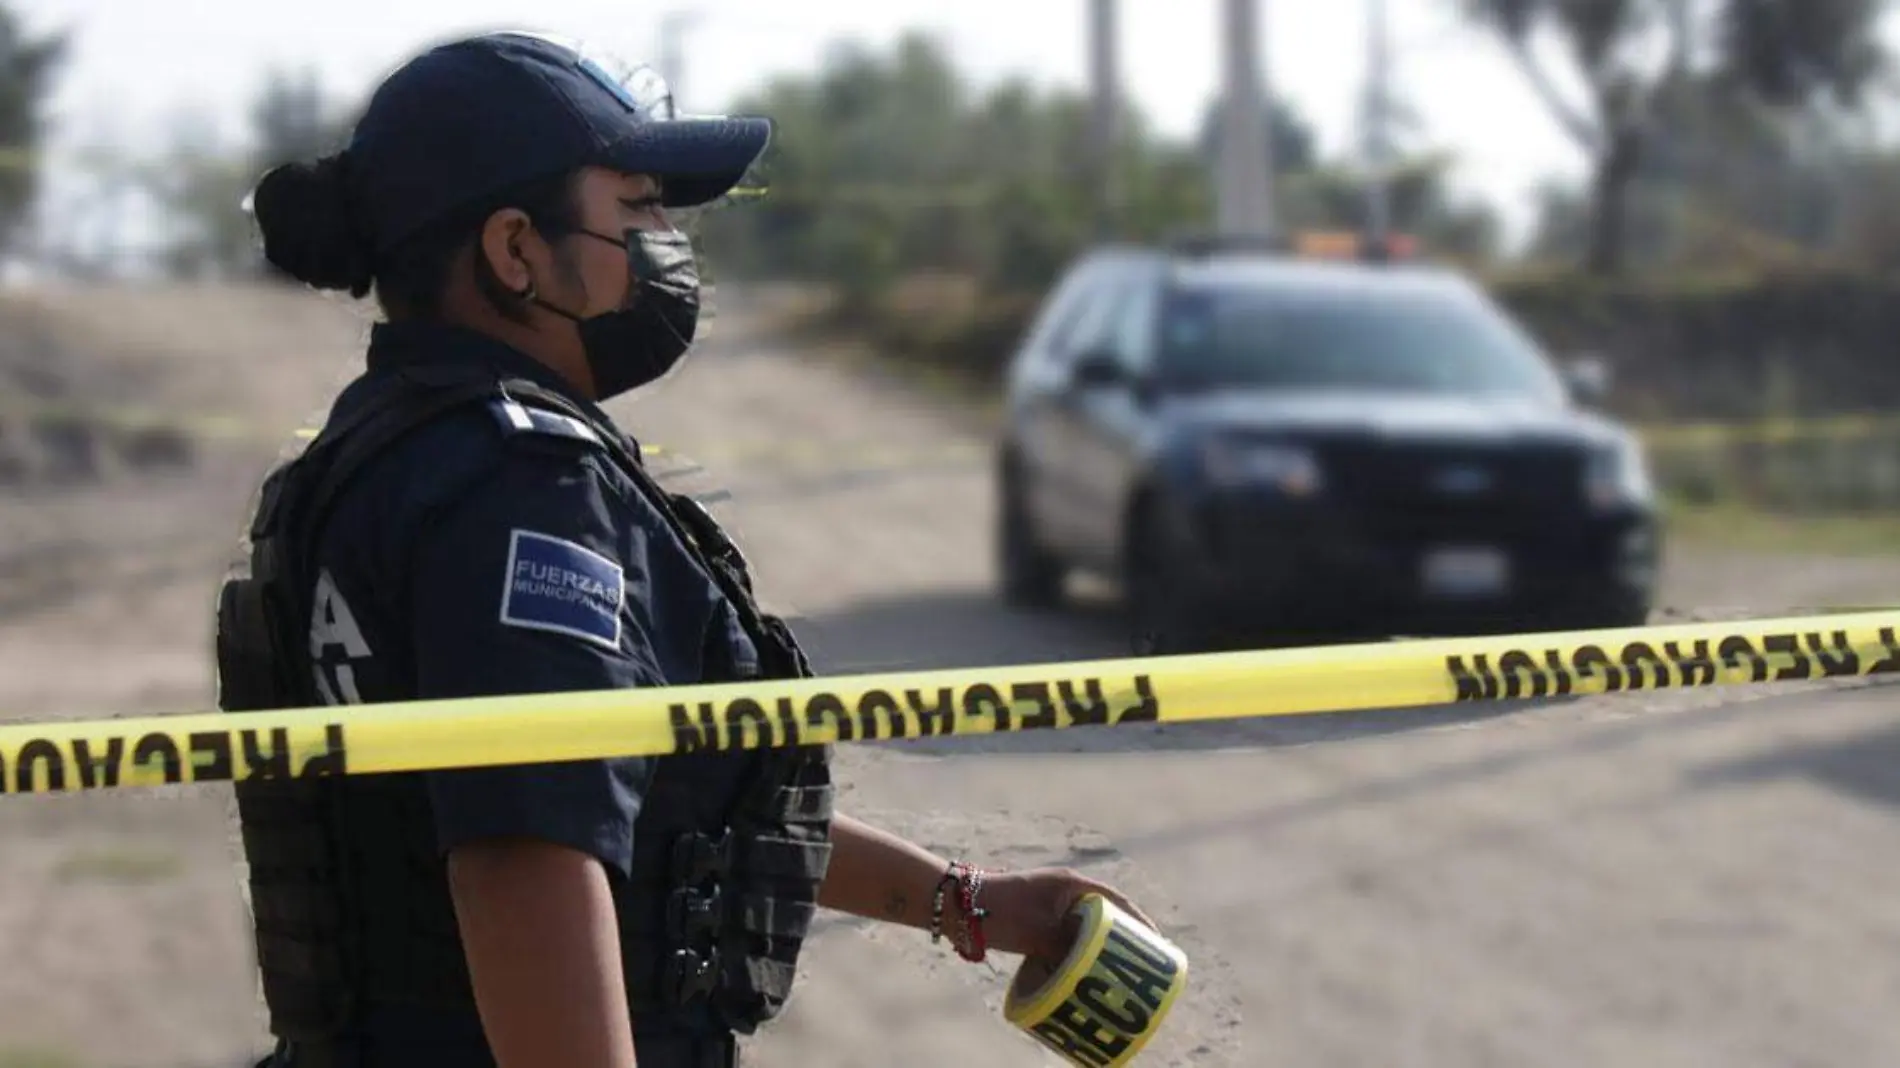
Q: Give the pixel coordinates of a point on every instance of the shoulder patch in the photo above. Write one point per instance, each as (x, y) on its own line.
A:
(518, 418)
(556, 585)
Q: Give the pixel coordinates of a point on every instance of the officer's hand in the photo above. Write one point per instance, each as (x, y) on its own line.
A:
(1029, 909)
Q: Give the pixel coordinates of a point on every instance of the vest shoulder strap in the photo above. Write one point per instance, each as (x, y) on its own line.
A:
(386, 418)
(695, 527)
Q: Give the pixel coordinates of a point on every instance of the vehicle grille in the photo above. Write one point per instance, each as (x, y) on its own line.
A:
(1412, 488)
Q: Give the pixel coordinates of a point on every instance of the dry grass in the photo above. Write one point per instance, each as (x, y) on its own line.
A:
(1733, 527)
(34, 1057)
(122, 865)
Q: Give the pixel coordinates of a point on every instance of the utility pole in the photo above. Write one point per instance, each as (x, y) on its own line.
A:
(1376, 128)
(1105, 81)
(672, 52)
(1244, 171)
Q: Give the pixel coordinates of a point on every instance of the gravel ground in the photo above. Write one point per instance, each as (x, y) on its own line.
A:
(1693, 878)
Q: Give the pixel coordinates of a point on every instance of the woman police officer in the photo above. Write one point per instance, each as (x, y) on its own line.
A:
(469, 522)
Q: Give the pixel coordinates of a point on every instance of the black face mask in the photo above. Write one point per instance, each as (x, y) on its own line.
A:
(650, 332)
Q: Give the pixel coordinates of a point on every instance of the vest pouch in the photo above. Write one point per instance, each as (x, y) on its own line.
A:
(693, 914)
(695, 919)
(252, 671)
(783, 657)
(246, 676)
(698, 857)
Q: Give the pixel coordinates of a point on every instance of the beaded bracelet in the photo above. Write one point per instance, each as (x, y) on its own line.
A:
(936, 905)
(977, 944)
(974, 946)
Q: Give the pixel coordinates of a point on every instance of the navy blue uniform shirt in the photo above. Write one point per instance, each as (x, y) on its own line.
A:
(497, 551)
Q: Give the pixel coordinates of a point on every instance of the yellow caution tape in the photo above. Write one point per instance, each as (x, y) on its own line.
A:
(1700, 434)
(528, 729)
(782, 454)
(1101, 1004)
(791, 455)
(144, 419)
(1773, 431)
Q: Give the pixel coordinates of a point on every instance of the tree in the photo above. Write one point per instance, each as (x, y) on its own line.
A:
(889, 164)
(27, 69)
(201, 184)
(888, 161)
(290, 120)
(1418, 195)
(1315, 193)
(1637, 59)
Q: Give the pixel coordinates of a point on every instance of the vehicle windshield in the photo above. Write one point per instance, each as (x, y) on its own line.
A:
(1234, 335)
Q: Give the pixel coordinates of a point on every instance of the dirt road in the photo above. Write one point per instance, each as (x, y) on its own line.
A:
(1664, 879)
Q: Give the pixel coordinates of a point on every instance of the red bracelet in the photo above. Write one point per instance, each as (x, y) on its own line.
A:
(975, 946)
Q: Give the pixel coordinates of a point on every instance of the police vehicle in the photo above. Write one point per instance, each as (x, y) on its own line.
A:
(1252, 441)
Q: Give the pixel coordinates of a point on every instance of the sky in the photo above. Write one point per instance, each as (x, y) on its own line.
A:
(139, 63)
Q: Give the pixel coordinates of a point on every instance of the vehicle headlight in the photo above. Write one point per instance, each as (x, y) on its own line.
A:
(1288, 468)
(1617, 474)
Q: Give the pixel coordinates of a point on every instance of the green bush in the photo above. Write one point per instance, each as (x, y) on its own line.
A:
(1726, 347)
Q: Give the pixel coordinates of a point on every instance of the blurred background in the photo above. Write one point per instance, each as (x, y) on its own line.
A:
(1700, 198)
(1700, 193)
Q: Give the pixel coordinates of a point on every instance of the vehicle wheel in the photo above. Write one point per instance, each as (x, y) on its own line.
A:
(1031, 577)
(1162, 618)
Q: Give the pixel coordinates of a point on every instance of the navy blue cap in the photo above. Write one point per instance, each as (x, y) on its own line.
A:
(469, 118)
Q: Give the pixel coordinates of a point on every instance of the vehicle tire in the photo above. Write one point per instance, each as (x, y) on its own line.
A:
(1031, 577)
(1162, 617)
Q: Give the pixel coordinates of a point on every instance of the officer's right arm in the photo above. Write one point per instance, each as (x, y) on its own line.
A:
(518, 588)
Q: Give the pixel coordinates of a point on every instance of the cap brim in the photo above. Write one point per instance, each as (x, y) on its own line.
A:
(696, 160)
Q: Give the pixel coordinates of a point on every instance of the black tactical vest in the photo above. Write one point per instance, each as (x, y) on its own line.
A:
(350, 901)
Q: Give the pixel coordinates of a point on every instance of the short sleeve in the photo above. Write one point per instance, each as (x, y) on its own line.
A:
(518, 586)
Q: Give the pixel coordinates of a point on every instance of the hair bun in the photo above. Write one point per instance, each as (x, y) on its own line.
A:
(310, 232)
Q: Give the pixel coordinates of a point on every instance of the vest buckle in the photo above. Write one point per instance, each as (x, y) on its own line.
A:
(698, 856)
(691, 976)
(691, 914)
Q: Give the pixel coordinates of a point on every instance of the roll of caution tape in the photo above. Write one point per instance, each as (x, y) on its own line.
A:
(1099, 1005)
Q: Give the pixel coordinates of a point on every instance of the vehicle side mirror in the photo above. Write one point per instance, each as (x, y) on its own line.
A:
(1588, 377)
(1098, 367)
